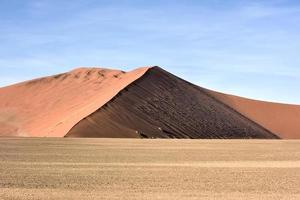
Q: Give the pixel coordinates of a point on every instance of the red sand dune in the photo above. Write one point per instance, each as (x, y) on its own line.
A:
(147, 102)
(281, 119)
(51, 106)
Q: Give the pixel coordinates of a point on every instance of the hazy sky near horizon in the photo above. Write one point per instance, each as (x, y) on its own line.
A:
(247, 48)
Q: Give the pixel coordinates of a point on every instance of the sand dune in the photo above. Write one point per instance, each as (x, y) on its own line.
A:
(147, 102)
(51, 106)
(281, 119)
(160, 105)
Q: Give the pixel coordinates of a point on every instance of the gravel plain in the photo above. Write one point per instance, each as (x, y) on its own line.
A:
(66, 168)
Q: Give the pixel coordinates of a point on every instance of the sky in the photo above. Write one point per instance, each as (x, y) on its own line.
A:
(246, 48)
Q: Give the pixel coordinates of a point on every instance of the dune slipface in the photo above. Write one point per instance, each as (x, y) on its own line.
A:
(145, 103)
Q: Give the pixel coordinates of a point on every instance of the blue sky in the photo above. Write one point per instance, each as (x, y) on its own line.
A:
(247, 48)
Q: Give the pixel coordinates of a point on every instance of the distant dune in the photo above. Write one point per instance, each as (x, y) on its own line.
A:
(145, 103)
(281, 119)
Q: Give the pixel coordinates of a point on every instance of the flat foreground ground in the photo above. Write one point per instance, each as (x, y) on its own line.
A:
(60, 168)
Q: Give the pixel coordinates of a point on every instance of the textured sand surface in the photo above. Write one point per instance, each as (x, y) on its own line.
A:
(73, 168)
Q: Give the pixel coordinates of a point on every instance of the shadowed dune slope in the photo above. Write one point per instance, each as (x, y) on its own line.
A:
(162, 105)
(281, 119)
(51, 106)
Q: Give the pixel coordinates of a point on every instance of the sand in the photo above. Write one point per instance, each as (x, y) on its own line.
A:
(281, 119)
(51, 106)
(160, 105)
(144, 103)
(78, 168)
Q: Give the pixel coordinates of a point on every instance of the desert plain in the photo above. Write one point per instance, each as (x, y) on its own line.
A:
(89, 168)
